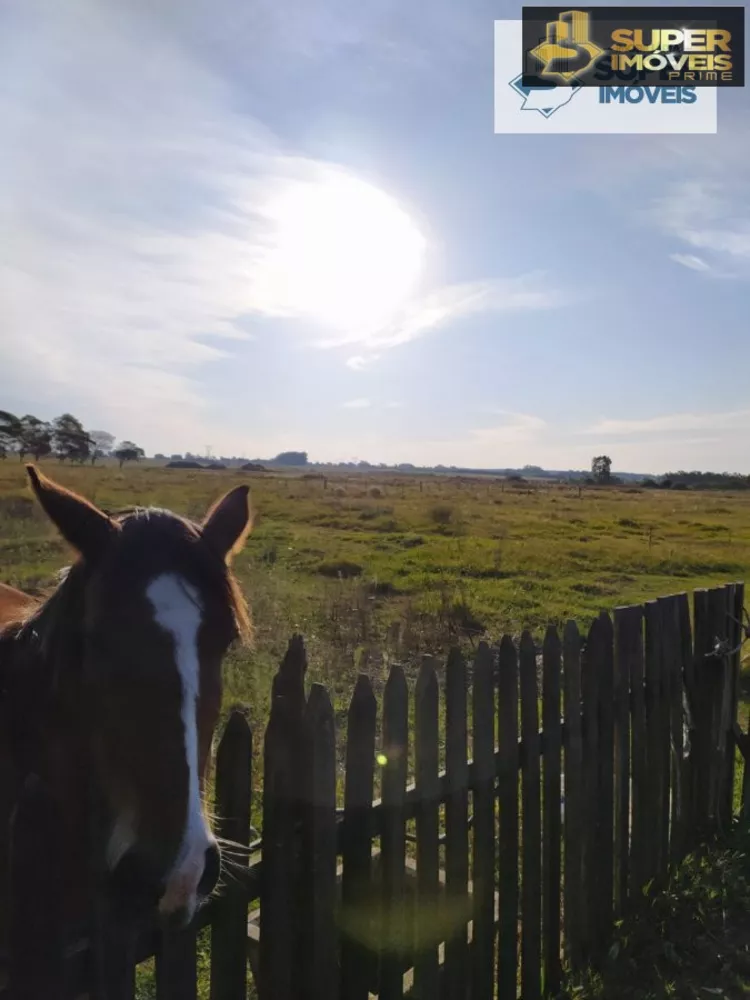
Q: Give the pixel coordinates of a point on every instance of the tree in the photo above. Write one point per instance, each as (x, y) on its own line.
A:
(128, 452)
(69, 439)
(104, 442)
(290, 458)
(601, 469)
(35, 437)
(10, 429)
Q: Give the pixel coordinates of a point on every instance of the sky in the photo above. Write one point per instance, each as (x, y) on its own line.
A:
(288, 224)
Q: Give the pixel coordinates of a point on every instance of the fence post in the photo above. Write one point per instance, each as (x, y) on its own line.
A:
(672, 665)
(552, 829)
(590, 661)
(605, 656)
(531, 888)
(233, 797)
(394, 938)
(622, 770)
(320, 947)
(357, 914)
(641, 830)
(717, 670)
(507, 719)
(280, 931)
(728, 712)
(426, 969)
(176, 965)
(653, 739)
(456, 828)
(574, 797)
(702, 710)
(483, 867)
(689, 697)
(737, 633)
(36, 968)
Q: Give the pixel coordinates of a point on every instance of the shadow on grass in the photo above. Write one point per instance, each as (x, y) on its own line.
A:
(692, 942)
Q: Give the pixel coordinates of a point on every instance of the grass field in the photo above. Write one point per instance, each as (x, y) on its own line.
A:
(409, 565)
(405, 566)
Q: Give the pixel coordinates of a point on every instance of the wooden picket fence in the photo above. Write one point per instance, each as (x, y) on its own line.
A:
(479, 836)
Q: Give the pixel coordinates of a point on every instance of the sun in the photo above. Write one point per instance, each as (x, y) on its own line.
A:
(340, 252)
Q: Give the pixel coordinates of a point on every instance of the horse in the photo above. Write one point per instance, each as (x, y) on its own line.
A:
(13, 602)
(114, 683)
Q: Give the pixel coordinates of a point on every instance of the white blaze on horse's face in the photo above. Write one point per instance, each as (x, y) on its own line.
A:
(177, 609)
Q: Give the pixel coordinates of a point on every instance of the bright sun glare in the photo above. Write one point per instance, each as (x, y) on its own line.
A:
(342, 253)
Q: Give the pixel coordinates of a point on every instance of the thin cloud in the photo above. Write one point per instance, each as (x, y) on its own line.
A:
(674, 422)
(359, 362)
(357, 404)
(446, 305)
(709, 215)
(690, 261)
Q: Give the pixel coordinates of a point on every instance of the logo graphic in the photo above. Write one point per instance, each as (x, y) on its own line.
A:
(567, 50)
(634, 46)
(525, 106)
(546, 100)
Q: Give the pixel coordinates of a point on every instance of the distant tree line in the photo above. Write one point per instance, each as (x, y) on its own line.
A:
(63, 438)
(699, 481)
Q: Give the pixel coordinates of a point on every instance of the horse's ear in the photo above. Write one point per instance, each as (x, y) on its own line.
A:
(228, 523)
(80, 523)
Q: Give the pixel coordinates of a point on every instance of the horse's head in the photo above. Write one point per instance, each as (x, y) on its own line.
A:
(153, 608)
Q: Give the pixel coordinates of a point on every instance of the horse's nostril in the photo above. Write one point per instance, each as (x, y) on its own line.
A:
(211, 868)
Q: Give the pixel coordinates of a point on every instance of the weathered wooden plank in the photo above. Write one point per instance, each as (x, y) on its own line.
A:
(728, 711)
(456, 970)
(233, 801)
(393, 937)
(716, 671)
(689, 735)
(109, 973)
(483, 800)
(552, 822)
(177, 967)
(663, 743)
(114, 958)
(320, 946)
(35, 961)
(672, 647)
(426, 922)
(654, 721)
(737, 637)
(358, 918)
(672, 673)
(281, 882)
(590, 667)
(701, 709)
(665, 714)
(625, 639)
(574, 797)
(605, 672)
(531, 885)
(507, 711)
(641, 829)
